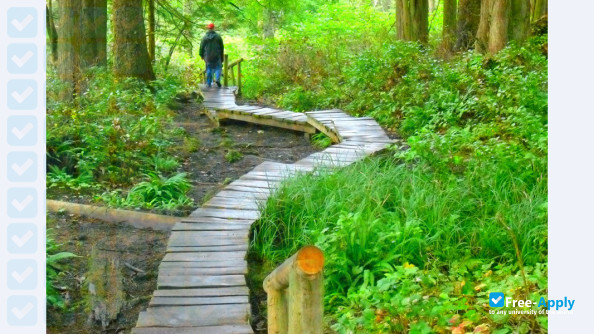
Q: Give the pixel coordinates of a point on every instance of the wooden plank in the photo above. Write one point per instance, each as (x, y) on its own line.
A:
(231, 193)
(254, 183)
(209, 281)
(248, 189)
(237, 270)
(225, 248)
(196, 315)
(227, 213)
(217, 264)
(225, 329)
(204, 256)
(199, 238)
(215, 220)
(187, 301)
(210, 227)
(301, 127)
(231, 204)
(209, 292)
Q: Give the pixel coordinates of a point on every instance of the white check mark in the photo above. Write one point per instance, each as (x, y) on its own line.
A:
(21, 241)
(20, 62)
(22, 312)
(22, 276)
(20, 206)
(495, 301)
(23, 168)
(21, 25)
(20, 98)
(20, 134)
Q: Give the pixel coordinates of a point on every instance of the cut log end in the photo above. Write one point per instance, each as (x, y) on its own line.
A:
(310, 260)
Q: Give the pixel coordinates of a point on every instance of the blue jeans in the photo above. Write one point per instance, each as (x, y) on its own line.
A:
(213, 69)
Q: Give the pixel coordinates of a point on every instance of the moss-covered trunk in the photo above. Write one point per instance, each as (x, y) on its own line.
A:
(131, 58)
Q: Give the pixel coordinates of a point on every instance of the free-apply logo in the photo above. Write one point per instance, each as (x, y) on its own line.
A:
(496, 299)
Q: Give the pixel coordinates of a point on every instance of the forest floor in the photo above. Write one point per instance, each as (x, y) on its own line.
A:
(102, 290)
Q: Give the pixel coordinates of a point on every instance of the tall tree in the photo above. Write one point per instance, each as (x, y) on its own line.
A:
(449, 23)
(151, 29)
(101, 32)
(188, 32)
(51, 31)
(519, 20)
(539, 9)
(69, 40)
(502, 21)
(412, 20)
(469, 13)
(88, 47)
(131, 58)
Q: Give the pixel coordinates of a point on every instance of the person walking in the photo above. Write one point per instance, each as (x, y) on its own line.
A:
(211, 51)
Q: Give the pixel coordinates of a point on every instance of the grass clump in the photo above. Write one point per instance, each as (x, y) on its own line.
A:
(409, 248)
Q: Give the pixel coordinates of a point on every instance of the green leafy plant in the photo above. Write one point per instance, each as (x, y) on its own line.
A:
(233, 156)
(55, 268)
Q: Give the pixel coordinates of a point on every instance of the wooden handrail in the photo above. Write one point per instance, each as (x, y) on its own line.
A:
(228, 70)
(235, 63)
(295, 294)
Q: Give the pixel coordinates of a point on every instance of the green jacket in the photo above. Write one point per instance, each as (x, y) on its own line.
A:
(212, 48)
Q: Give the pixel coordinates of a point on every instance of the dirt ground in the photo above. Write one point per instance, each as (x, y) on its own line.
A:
(111, 281)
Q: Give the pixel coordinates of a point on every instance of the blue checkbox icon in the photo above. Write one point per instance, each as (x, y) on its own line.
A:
(22, 310)
(22, 22)
(496, 299)
(22, 58)
(21, 274)
(22, 203)
(22, 166)
(21, 130)
(22, 94)
(21, 238)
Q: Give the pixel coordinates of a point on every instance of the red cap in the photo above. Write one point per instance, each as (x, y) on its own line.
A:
(210, 26)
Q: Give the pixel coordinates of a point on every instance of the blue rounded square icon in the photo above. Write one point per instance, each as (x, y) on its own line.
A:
(22, 310)
(22, 94)
(21, 238)
(22, 58)
(22, 22)
(21, 274)
(496, 299)
(22, 166)
(22, 203)
(21, 130)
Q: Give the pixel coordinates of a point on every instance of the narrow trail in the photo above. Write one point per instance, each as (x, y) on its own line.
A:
(201, 284)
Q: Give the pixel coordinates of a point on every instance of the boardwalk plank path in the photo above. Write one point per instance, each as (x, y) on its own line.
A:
(201, 285)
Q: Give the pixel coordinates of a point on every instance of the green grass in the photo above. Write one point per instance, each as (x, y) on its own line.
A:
(379, 219)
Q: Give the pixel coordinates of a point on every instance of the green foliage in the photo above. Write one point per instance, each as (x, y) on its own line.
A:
(113, 135)
(320, 140)
(55, 268)
(156, 192)
(379, 218)
(233, 156)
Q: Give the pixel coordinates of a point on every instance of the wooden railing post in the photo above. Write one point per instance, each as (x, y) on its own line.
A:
(225, 64)
(295, 294)
(239, 79)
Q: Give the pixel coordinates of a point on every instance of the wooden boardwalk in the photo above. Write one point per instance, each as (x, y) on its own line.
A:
(201, 285)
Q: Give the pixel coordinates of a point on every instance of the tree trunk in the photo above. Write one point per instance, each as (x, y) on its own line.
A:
(131, 58)
(449, 23)
(88, 47)
(52, 32)
(519, 24)
(469, 13)
(69, 38)
(188, 32)
(101, 32)
(498, 31)
(539, 9)
(151, 29)
(412, 17)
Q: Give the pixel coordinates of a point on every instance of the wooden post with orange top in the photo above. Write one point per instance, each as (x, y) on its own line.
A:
(295, 294)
